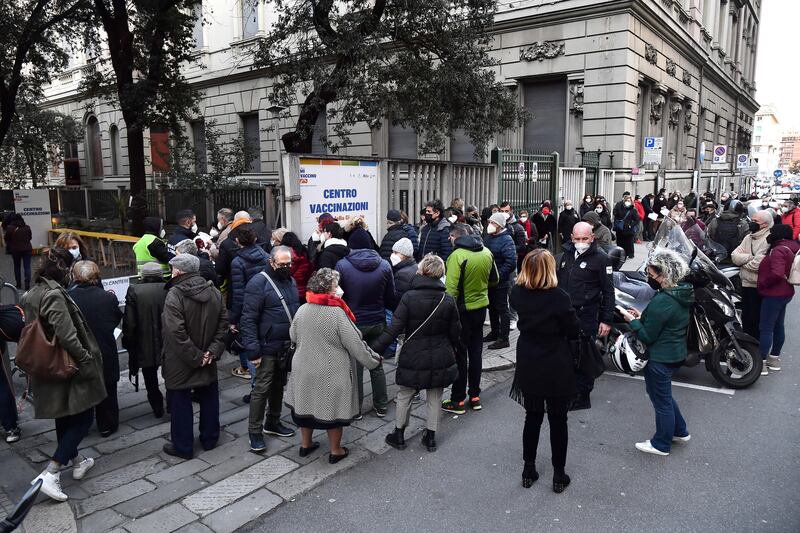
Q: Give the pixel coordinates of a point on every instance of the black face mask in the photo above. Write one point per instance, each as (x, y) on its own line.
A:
(754, 227)
(428, 218)
(283, 273)
(656, 286)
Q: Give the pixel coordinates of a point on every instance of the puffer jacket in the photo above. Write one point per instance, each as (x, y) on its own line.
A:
(368, 285)
(195, 317)
(404, 273)
(264, 324)
(18, 236)
(748, 256)
(664, 324)
(775, 268)
(247, 263)
(428, 356)
(393, 234)
(505, 255)
(435, 238)
(302, 269)
(141, 325)
(332, 252)
(792, 218)
(61, 318)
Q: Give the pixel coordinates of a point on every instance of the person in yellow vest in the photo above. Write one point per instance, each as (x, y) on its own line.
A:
(151, 247)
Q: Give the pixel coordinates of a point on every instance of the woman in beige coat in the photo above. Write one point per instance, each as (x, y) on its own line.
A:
(323, 391)
(748, 256)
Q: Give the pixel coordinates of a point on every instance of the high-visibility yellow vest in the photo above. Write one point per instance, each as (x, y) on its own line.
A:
(143, 255)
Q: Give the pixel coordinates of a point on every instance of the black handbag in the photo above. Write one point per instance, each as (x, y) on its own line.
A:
(586, 358)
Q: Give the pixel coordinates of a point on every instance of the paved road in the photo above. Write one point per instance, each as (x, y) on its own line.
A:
(739, 473)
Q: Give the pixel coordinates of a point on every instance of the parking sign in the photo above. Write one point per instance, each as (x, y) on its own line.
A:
(719, 156)
(653, 150)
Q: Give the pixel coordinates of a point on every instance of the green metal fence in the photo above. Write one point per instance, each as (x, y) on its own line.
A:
(526, 179)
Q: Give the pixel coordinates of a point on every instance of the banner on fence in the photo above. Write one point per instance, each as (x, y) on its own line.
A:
(34, 206)
(345, 189)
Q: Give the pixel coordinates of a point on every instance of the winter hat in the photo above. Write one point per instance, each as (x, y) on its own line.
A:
(393, 216)
(151, 269)
(359, 240)
(404, 247)
(499, 219)
(592, 218)
(190, 264)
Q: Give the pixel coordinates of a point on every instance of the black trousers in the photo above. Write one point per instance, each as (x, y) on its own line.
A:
(70, 431)
(751, 311)
(470, 364)
(590, 323)
(154, 396)
(557, 408)
(499, 313)
(107, 411)
(625, 241)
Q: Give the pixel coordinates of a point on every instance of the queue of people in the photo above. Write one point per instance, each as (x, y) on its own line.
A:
(305, 320)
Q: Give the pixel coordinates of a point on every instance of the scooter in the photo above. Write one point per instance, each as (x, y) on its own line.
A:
(13, 521)
(715, 334)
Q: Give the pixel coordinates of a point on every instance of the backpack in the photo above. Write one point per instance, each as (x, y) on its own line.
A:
(727, 234)
(794, 270)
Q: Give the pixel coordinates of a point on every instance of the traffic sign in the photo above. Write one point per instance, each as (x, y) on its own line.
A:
(778, 173)
(719, 157)
(742, 160)
(751, 171)
(653, 150)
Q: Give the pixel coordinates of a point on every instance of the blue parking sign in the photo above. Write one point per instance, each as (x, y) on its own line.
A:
(778, 173)
(649, 142)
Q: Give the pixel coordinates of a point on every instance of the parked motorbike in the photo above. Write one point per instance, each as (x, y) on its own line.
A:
(13, 521)
(715, 334)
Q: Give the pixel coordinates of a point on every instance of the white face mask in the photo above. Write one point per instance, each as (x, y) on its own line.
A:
(324, 237)
(214, 233)
(507, 215)
(194, 228)
(76, 253)
(220, 225)
(395, 259)
(163, 233)
(599, 209)
(523, 219)
(628, 204)
(491, 228)
(316, 237)
(784, 210)
(581, 247)
(452, 219)
(339, 292)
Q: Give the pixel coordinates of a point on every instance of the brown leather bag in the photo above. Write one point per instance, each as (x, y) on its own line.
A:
(42, 358)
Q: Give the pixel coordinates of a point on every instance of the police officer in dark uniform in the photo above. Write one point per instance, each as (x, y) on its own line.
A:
(585, 272)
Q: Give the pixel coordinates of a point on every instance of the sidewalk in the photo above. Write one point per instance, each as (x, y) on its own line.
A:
(135, 487)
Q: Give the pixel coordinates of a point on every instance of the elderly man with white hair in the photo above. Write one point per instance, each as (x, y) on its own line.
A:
(748, 256)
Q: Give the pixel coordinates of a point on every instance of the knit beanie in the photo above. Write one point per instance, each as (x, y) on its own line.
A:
(404, 247)
(359, 240)
(499, 219)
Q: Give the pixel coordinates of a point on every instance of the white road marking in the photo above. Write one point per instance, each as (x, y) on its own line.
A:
(729, 392)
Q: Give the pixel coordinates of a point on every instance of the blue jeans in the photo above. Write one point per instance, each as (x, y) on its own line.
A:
(70, 431)
(771, 331)
(392, 347)
(182, 420)
(669, 421)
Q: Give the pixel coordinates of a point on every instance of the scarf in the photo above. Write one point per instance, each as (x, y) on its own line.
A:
(330, 300)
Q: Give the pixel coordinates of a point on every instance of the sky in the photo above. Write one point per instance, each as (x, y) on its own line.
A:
(777, 75)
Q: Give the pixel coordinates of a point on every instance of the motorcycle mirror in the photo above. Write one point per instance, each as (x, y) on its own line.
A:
(694, 256)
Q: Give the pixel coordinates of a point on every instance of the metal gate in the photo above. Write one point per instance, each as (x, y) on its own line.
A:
(591, 162)
(526, 179)
(605, 185)
(571, 185)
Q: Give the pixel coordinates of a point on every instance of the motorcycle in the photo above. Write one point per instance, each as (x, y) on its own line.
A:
(715, 335)
(13, 521)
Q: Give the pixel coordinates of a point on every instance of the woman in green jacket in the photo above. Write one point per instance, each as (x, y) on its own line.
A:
(70, 402)
(662, 327)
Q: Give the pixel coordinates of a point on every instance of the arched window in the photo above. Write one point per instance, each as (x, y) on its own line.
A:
(113, 133)
(94, 154)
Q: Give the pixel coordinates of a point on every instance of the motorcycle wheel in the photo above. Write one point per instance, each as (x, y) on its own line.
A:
(731, 372)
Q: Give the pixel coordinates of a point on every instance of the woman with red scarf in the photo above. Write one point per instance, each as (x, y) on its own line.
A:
(545, 222)
(323, 390)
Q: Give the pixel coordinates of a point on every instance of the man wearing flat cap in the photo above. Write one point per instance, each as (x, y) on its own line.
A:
(193, 324)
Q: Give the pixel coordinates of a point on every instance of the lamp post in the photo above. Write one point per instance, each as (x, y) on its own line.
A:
(275, 111)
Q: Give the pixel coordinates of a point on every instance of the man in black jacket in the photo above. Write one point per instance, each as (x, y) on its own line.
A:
(187, 228)
(265, 326)
(263, 232)
(396, 229)
(517, 231)
(585, 273)
(434, 237)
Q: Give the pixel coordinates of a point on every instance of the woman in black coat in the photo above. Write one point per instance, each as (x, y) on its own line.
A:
(544, 374)
(17, 235)
(429, 318)
(102, 313)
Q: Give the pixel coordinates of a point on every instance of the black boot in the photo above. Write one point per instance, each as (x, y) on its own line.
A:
(560, 482)
(529, 474)
(397, 439)
(581, 401)
(429, 440)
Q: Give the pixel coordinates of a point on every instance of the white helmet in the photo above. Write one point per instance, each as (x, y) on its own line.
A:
(629, 354)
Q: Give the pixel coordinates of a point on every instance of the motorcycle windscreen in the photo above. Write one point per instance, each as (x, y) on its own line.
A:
(670, 235)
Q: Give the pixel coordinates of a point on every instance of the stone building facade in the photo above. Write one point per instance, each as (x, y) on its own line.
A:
(595, 74)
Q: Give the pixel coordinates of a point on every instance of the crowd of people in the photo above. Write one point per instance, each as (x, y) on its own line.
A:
(305, 319)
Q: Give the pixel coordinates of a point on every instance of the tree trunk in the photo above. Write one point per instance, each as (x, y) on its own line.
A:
(136, 168)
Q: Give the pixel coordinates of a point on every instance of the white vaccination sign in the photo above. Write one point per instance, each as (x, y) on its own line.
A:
(34, 206)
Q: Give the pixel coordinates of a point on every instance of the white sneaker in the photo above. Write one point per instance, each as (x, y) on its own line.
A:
(51, 486)
(81, 468)
(764, 369)
(773, 363)
(687, 438)
(513, 325)
(646, 447)
(487, 323)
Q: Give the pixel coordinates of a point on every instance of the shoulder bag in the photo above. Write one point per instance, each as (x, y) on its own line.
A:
(794, 270)
(42, 358)
(402, 342)
(287, 353)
